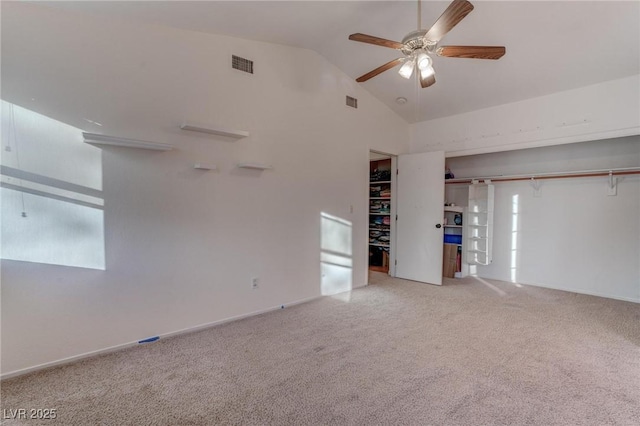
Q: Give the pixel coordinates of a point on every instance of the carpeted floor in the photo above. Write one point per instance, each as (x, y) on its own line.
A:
(395, 352)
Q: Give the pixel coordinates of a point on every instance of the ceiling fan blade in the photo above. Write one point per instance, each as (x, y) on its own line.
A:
(379, 70)
(375, 40)
(456, 11)
(475, 52)
(426, 82)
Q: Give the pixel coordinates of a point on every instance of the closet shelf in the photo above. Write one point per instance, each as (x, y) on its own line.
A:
(480, 228)
(455, 209)
(379, 245)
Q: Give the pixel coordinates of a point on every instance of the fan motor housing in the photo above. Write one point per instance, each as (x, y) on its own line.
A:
(415, 40)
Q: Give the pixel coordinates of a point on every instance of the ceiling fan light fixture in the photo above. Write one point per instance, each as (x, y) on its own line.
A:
(407, 68)
(424, 61)
(420, 45)
(427, 72)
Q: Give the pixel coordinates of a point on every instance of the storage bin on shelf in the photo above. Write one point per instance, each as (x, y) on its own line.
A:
(452, 239)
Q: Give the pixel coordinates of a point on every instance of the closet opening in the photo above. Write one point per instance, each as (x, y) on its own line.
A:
(382, 212)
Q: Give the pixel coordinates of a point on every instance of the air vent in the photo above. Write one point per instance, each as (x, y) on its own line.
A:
(352, 102)
(242, 64)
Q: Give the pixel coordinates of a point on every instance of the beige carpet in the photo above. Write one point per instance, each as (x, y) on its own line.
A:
(396, 352)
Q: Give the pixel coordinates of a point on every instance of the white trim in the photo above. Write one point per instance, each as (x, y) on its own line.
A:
(123, 346)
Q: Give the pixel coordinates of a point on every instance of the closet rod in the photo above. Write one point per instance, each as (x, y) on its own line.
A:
(577, 174)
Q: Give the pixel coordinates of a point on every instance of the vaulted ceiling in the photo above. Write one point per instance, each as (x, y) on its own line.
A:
(551, 46)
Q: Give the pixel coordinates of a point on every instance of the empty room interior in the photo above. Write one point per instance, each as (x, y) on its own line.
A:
(320, 212)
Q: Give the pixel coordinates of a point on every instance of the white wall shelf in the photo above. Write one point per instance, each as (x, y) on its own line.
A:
(93, 138)
(215, 130)
(205, 166)
(255, 166)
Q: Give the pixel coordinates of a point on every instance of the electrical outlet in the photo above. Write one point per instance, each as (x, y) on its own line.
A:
(254, 283)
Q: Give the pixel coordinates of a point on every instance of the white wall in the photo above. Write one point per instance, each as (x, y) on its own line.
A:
(606, 110)
(573, 236)
(181, 245)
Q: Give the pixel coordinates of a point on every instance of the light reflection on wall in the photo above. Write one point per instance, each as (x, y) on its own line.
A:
(336, 263)
(52, 206)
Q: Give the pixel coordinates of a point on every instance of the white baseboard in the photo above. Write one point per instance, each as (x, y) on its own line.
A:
(588, 293)
(570, 290)
(120, 347)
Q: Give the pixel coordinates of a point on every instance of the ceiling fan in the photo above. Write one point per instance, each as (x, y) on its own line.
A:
(417, 46)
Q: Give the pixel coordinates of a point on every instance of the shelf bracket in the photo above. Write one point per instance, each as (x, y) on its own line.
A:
(536, 185)
(613, 184)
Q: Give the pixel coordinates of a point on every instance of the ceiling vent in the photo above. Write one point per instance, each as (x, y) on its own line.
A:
(242, 64)
(352, 102)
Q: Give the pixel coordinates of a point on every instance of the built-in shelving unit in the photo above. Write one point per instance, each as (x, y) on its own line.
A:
(479, 224)
(215, 130)
(380, 214)
(95, 139)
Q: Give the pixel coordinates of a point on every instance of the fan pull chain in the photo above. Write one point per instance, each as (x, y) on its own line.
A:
(419, 15)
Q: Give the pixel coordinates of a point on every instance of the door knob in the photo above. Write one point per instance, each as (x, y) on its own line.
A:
(438, 226)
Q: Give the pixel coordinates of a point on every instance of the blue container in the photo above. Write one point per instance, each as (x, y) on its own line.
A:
(452, 239)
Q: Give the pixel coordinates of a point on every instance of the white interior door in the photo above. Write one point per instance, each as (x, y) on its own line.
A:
(420, 207)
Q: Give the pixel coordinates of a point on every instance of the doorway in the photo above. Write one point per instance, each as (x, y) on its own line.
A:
(382, 181)
(406, 215)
